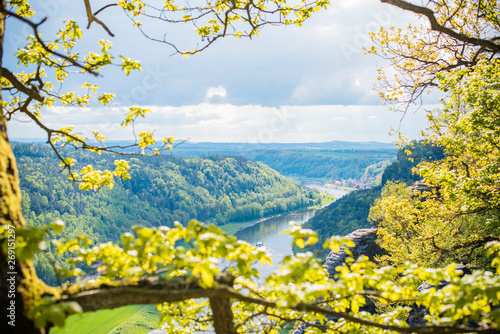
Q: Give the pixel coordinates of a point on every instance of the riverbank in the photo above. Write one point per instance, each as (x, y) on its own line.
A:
(262, 220)
(233, 228)
(321, 184)
(332, 193)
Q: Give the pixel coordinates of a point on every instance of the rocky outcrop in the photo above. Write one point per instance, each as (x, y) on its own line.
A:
(365, 245)
(417, 314)
(420, 188)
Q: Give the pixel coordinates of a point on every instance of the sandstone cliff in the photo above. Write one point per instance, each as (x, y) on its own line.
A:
(365, 245)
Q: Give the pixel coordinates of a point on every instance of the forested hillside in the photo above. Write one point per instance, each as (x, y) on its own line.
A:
(163, 189)
(363, 161)
(331, 164)
(351, 211)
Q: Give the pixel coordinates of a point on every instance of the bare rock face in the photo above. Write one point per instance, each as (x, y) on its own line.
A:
(365, 245)
(420, 187)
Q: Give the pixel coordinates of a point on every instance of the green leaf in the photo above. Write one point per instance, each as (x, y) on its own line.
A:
(57, 226)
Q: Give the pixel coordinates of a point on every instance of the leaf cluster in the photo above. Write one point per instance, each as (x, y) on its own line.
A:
(298, 290)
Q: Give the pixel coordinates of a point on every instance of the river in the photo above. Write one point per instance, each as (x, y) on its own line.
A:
(269, 233)
(328, 188)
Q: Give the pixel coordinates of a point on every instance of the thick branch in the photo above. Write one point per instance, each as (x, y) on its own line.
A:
(113, 297)
(156, 291)
(222, 315)
(438, 27)
(20, 86)
(92, 18)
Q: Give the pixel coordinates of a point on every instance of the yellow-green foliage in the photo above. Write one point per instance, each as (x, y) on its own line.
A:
(457, 52)
(299, 288)
(458, 213)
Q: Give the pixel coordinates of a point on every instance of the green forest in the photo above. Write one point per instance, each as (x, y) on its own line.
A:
(329, 164)
(351, 212)
(162, 190)
(216, 189)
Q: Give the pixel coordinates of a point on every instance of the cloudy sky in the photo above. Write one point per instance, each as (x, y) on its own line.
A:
(289, 84)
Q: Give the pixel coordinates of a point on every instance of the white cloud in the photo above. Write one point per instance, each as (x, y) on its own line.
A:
(247, 123)
(317, 75)
(219, 91)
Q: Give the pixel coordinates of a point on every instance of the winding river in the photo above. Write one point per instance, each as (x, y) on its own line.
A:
(269, 233)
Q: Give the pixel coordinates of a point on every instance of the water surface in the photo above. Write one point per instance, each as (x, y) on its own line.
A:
(269, 232)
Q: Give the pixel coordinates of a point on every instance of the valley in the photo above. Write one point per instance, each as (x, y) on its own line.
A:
(168, 188)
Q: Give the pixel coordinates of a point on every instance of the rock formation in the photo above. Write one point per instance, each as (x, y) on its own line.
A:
(365, 245)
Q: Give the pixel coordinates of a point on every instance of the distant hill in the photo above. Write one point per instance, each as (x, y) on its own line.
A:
(329, 164)
(193, 148)
(186, 147)
(335, 160)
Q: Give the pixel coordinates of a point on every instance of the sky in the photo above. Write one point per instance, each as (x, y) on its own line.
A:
(289, 84)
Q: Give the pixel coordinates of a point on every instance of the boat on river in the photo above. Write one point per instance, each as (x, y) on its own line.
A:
(259, 244)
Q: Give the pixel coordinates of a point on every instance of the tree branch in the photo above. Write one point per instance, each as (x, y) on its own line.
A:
(440, 28)
(222, 314)
(34, 26)
(103, 8)
(35, 94)
(159, 290)
(92, 18)
(79, 143)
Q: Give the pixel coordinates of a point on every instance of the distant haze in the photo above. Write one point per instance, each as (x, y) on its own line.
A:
(230, 123)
